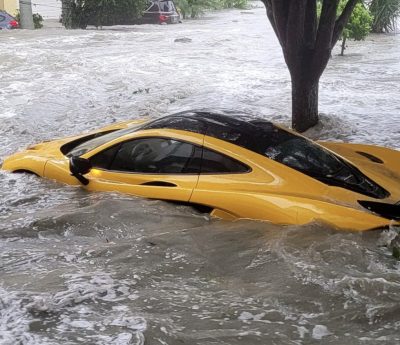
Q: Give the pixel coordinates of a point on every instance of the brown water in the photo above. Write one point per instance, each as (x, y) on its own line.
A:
(93, 268)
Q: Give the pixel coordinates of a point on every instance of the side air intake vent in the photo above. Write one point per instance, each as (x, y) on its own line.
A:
(372, 158)
(72, 144)
(389, 211)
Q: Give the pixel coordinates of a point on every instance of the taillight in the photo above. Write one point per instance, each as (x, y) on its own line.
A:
(14, 24)
(163, 18)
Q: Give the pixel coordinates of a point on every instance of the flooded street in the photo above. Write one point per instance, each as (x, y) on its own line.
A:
(101, 268)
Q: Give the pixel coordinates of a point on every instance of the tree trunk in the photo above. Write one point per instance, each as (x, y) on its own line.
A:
(304, 104)
(343, 45)
(307, 41)
(66, 13)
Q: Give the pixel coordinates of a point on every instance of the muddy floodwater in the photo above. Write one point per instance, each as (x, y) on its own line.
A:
(99, 268)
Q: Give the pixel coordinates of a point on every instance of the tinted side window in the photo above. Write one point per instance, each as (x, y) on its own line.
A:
(82, 145)
(2, 18)
(104, 158)
(214, 162)
(149, 155)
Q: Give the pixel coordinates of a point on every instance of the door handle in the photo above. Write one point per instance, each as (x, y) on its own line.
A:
(159, 184)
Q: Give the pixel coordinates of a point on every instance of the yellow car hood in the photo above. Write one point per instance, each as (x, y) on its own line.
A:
(51, 149)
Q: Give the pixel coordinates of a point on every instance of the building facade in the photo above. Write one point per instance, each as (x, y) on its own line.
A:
(48, 9)
(10, 6)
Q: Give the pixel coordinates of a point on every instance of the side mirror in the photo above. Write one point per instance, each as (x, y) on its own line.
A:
(78, 167)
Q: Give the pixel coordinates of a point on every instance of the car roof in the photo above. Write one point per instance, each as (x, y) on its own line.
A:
(205, 122)
(6, 15)
(237, 128)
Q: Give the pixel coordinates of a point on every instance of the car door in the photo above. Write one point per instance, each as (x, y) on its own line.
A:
(241, 188)
(152, 167)
(222, 182)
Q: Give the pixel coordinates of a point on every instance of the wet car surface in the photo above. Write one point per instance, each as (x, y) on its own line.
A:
(203, 158)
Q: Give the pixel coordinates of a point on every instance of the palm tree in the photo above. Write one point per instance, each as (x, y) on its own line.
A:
(385, 13)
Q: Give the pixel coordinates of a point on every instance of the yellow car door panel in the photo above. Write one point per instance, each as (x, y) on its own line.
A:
(153, 167)
(167, 187)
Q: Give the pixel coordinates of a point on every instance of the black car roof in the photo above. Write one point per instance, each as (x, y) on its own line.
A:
(206, 122)
(235, 127)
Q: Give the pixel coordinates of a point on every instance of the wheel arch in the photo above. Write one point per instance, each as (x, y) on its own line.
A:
(24, 171)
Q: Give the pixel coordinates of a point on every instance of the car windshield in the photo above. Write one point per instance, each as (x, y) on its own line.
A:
(91, 144)
(301, 154)
(313, 160)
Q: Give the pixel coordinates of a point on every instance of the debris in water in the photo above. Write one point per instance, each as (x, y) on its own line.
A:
(183, 40)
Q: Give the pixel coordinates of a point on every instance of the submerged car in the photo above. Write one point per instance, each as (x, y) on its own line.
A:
(160, 12)
(156, 12)
(7, 21)
(233, 165)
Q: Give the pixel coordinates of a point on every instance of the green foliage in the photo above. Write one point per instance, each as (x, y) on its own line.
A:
(78, 13)
(359, 25)
(195, 8)
(37, 20)
(385, 13)
(234, 3)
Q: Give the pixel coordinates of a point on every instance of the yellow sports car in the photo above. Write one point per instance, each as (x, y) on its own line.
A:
(232, 165)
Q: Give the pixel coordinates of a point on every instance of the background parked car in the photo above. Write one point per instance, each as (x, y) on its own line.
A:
(156, 12)
(160, 12)
(7, 21)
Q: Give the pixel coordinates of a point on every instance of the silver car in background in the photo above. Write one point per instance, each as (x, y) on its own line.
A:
(7, 21)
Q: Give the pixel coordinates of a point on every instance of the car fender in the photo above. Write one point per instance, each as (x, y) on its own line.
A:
(289, 210)
(58, 169)
(24, 161)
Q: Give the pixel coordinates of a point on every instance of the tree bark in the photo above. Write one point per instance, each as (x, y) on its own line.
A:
(307, 45)
(304, 104)
(66, 13)
(343, 46)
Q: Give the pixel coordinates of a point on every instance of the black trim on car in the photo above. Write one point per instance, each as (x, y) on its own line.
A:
(389, 211)
(68, 147)
(372, 158)
(247, 168)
